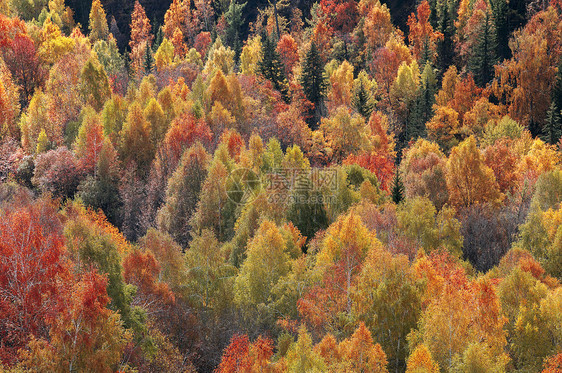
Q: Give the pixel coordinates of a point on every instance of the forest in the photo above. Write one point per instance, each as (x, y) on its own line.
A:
(281, 186)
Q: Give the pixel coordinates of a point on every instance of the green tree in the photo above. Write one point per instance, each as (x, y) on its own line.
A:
(271, 68)
(102, 191)
(314, 83)
(446, 14)
(419, 220)
(94, 84)
(209, 280)
(557, 88)
(154, 114)
(182, 194)
(388, 299)
(552, 129)
(363, 100)
(268, 259)
(235, 20)
(397, 188)
(423, 106)
(94, 246)
(483, 56)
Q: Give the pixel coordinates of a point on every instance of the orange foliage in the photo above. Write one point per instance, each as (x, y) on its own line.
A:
(180, 49)
(502, 160)
(9, 29)
(421, 34)
(141, 269)
(553, 364)
(184, 131)
(241, 356)
(140, 27)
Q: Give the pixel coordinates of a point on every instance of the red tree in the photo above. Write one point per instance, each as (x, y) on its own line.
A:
(32, 267)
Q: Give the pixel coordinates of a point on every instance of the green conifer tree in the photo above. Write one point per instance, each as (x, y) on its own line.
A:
(423, 107)
(481, 62)
(235, 22)
(446, 10)
(148, 60)
(363, 101)
(314, 83)
(552, 130)
(397, 188)
(557, 89)
(272, 69)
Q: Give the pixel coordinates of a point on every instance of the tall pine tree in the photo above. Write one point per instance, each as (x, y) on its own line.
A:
(271, 67)
(557, 89)
(552, 130)
(397, 188)
(483, 57)
(363, 100)
(446, 10)
(314, 83)
(235, 22)
(423, 107)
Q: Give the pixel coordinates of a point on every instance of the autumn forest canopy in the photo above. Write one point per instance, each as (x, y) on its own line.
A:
(281, 186)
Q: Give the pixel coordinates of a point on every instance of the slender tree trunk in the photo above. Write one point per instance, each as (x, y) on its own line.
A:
(276, 19)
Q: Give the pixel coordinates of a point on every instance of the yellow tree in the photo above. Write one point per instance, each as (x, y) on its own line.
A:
(98, 22)
(469, 180)
(301, 356)
(164, 56)
(135, 145)
(9, 103)
(360, 354)
(53, 45)
(346, 134)
(378, 24)
(445, 128)
(342, 85)
(388, 299)
(251, 56)
(420, 361)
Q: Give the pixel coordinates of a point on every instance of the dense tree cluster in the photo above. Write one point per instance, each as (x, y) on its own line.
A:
(330, 193)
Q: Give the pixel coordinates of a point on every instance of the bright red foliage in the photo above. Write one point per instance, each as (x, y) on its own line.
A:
(32, 266)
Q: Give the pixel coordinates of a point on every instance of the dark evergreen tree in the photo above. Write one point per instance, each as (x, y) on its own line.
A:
(235, 22)
(483, 57)
(423, 106)
(272, 68)
(557, 89)
(499, 12)
(363, 101)
(552, 130)
(148, 60)
(425, 55)
(314, 83)
(158, 39)
(397, 188)
(446, 10)
(307, 211)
